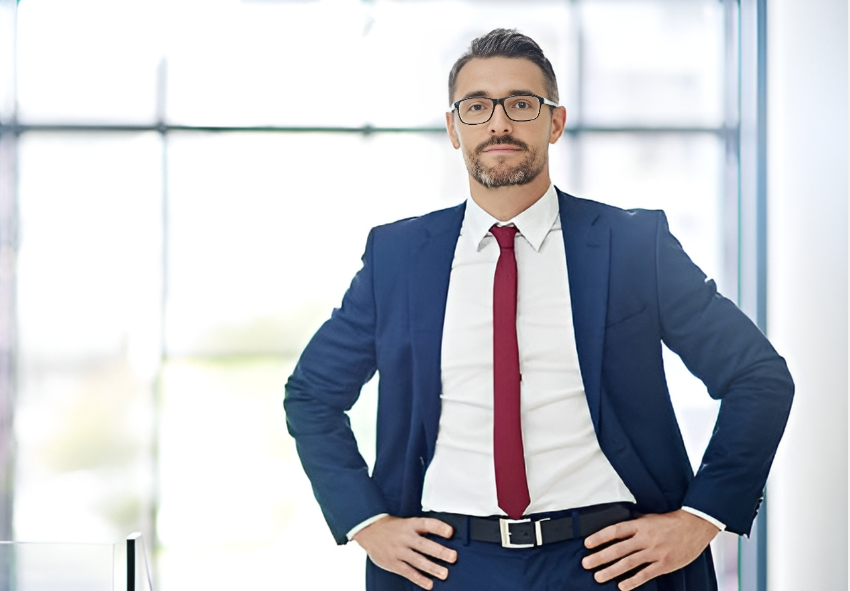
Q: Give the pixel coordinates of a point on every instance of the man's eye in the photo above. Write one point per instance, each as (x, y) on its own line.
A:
(522, 105)
(474, 108)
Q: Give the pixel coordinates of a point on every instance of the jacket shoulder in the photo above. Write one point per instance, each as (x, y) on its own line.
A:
(597, 212)
(425, 221)
(410, 231)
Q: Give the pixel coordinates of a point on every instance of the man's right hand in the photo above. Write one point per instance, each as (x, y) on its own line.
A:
(399, 545)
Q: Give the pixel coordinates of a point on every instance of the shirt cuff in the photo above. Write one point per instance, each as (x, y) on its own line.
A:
(718, 524)
(353, 531)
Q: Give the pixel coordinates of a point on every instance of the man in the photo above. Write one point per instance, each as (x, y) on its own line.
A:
(525, 434)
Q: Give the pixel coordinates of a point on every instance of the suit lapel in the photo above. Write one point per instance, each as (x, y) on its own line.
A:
(429, 274)
(587, 246)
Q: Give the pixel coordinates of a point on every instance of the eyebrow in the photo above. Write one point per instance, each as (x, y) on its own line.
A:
(485, 94)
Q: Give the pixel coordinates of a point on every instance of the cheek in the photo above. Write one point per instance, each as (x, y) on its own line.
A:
(466, 142)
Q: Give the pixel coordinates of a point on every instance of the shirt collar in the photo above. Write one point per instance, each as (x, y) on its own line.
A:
(533, 224)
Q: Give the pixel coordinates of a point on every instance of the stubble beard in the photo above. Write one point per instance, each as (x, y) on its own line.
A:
(502, 174)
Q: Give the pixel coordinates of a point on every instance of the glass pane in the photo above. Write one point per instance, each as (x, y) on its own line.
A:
(89, 262)
(88, 61)
(679, 173)
(89, 280)
(233, 492)
(412, 46)
(652, 62)
(334, 63)
(7, 59)
(56, 567)
(724, 551)
(245, 208)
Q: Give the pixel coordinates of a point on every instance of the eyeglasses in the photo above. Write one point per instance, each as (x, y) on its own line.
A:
(518, 107)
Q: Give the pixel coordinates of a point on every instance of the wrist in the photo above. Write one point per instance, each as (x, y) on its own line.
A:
(696, 512)
(363, 525)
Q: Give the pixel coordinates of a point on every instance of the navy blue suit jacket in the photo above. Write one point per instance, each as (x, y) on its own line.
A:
(632, 287)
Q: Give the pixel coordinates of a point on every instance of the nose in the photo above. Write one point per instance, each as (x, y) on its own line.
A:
(499, 123)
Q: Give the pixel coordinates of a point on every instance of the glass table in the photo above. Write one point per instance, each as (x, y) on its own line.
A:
(58, 566)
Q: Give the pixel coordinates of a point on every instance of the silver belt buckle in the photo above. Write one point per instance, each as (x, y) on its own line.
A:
(538, 532)
(505, 531)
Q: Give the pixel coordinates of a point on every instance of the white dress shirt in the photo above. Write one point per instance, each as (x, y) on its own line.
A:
(564, 465)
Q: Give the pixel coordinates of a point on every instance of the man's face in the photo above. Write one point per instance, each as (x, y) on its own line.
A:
(503, 152)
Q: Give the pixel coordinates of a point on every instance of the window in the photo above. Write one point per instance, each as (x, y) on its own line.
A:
(172, 165)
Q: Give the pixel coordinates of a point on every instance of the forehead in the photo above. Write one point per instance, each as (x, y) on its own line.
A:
(499, 76)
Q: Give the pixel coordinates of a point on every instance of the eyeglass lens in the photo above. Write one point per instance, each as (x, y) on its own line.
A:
(479, 110)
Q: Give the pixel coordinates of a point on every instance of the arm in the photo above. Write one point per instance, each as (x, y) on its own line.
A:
(722, 347)
(325, 384)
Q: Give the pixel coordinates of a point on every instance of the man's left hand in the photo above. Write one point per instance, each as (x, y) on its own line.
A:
(658, 543)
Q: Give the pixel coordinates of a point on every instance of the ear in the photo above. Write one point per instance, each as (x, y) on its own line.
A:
(450, 127)
(559, 121)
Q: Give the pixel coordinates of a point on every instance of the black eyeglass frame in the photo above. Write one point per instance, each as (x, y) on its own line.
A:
(501, 101)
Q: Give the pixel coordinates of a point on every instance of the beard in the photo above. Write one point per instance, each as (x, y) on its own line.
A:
(502, 174)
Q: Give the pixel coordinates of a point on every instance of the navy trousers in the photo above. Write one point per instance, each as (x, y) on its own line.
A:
(484, 566)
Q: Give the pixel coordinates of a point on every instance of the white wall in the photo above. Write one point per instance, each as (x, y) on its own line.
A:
(807, 306)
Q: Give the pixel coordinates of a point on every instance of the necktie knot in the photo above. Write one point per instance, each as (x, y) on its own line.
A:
(504, 235)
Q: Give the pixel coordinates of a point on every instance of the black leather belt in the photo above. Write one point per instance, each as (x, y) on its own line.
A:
(536, 530)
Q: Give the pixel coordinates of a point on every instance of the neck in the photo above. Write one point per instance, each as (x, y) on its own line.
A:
(505, 203)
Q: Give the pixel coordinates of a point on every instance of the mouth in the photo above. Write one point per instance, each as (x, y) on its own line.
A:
(502, 149)
(502, 146)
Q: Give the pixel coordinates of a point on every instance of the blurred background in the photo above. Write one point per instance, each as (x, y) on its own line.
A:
(185, 193)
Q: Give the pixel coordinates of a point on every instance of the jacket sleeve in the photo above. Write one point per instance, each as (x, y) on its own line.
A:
(721, 346)
(325, 384)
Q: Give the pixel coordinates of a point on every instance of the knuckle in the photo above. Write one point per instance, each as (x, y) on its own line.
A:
(667, 563)
(650, 572)
(633, 562)
(619, 528)
(642, 577)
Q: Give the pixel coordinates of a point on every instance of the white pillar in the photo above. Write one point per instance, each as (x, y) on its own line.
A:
(807, 289)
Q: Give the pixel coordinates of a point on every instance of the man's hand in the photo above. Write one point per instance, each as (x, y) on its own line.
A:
(400, 546)
(659, 543)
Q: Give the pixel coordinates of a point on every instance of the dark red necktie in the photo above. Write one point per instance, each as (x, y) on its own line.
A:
(511, 483)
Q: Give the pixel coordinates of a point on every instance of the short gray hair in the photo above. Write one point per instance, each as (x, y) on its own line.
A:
(506, 43)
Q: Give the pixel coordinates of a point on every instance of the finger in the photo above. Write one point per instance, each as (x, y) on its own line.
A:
(624, 566)
(640, 577)
(424, 565)
(433, 526)
(618, 531)
(413, 575)
(432, 548)
(610, 553)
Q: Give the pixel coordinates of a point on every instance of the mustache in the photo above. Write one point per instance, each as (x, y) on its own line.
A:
(508, 140)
